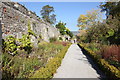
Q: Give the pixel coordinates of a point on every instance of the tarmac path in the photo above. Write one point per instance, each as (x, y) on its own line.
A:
(77, 65)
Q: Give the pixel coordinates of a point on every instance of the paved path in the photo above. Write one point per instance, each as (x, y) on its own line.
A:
(76, 65)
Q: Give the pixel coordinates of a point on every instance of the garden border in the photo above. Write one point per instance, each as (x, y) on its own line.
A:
(111, 71)
(52, 66)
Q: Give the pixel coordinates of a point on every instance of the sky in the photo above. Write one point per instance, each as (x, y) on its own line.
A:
(67, 12)
(63, 0)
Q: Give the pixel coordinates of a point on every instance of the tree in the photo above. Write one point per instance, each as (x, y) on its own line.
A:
(111, 8)
(68, 32)
(61, 27)
(63, 30)
(103, 32)
(91, 18)
(82, 21)
(46, 14)
(52, 18)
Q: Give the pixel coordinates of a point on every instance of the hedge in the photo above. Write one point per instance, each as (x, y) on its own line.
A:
(52, 65)
(109, 70)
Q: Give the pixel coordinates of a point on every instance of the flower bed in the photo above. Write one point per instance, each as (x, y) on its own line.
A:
(51, 67)
(23, 65)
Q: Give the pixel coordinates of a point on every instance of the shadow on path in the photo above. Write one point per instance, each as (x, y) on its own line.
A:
(93, 64)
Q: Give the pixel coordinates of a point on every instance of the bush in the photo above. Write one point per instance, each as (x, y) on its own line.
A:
(60, 38)
(108, 69)
(53, 39)
(111, 52)
(93, 46)
(63, 43)
(51, 67)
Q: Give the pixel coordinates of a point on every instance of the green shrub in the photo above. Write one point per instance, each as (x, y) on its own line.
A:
(53, 39)
(93, 46)
(60, 38)
(6, 59)
(29, 65)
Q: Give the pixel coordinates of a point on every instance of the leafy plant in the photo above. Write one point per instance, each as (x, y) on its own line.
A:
(53, 39)
(26, 43)
(10, 45)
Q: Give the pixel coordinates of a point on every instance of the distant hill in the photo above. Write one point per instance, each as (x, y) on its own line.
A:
(75, 32)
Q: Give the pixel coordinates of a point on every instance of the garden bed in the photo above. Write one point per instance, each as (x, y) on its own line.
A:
(109, 70)
(24, 65)
(50, 68)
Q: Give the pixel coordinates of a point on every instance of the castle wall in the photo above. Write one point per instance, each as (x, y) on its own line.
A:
(15, 22)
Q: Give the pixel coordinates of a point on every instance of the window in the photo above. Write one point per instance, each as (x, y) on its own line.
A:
(4, 9)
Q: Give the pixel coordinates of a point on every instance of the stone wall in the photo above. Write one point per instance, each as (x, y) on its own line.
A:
(15, 22)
